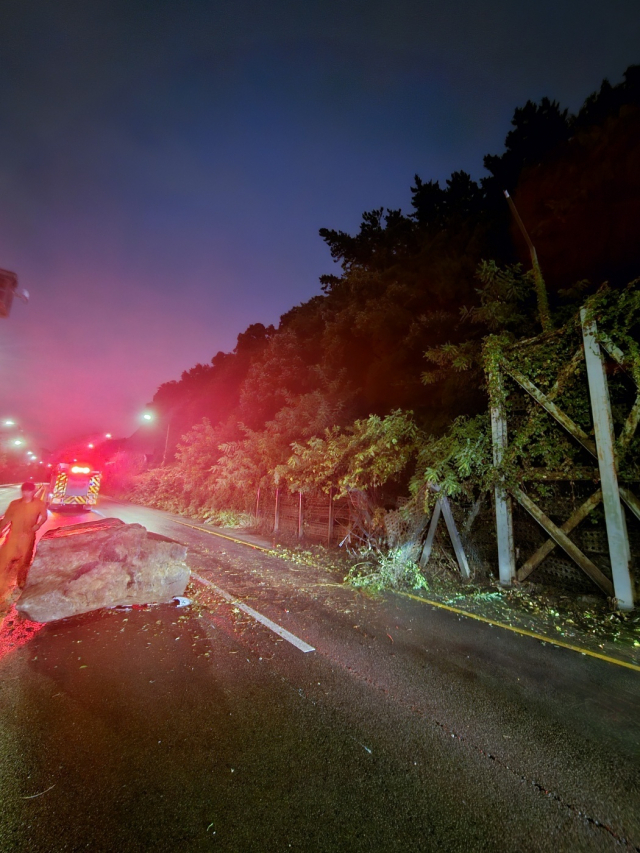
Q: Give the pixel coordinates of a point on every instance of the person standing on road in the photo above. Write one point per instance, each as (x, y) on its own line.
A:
(23, 518)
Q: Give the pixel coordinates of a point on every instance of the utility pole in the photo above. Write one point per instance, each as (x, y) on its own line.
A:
(166, 441)
(9, 289)
(541, 288)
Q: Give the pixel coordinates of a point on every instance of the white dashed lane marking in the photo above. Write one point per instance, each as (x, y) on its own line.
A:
(264, 620)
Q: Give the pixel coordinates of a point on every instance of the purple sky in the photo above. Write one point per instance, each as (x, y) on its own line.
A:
(165, 166)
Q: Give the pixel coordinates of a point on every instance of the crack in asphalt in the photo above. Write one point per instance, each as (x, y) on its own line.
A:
(598, 824)
(552, 795)
(540, 788)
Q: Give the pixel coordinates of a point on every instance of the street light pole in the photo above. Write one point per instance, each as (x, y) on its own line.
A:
(154, 415)
(166, 441)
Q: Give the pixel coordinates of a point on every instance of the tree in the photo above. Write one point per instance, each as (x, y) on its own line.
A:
(538, 130)
(406, 284)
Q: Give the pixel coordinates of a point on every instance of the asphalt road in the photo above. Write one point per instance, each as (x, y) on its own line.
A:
(406, 729)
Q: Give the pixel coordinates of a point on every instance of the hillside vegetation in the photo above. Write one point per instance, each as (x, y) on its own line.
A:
(375, 380)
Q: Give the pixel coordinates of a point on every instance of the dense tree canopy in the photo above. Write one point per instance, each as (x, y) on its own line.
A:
(433, 280)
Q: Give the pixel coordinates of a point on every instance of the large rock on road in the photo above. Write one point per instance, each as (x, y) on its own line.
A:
(83, 567)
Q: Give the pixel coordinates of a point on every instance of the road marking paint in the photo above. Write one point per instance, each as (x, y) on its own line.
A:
(223, 536)
(361, 744)
(523, 631)
(264, 620)
(33, 796)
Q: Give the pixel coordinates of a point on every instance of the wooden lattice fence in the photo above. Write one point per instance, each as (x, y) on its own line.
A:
(596, 459)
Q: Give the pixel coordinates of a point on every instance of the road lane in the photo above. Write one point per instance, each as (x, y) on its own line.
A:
(268, 623)
(407, 729)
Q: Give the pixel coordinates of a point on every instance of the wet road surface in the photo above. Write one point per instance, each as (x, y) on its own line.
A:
(408, 729)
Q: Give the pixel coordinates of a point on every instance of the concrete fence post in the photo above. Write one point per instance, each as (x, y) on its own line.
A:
(276, 515)
(504, 514)
(619, 551)
(300, 516)
(330, 524)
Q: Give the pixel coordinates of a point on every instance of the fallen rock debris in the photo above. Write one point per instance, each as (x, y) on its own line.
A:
(85, 567)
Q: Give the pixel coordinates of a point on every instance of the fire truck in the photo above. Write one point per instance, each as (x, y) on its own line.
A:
(73, 485)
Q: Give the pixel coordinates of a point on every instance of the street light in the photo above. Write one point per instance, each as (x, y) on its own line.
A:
(151, 416)
(8, 423)
(91, 446)
(18, 441)
(107, 435)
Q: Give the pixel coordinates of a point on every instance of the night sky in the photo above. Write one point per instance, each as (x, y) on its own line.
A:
(165, 166)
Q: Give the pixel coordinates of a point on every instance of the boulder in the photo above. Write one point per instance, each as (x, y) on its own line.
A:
(84, 567)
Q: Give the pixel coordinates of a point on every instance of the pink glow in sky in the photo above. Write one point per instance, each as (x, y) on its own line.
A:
(85, 357)
(165, 167)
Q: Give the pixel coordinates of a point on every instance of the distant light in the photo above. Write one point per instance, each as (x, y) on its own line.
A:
(49, 465)
(108, 435)
(148, 416)
(9, 423)
(89, 445)
(17, 441)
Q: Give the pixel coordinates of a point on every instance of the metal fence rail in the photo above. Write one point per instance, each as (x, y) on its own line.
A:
(320, 517)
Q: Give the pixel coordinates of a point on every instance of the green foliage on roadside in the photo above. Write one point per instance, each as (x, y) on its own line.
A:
(120, 474)
(458, 463)
(229, 518)
(364, 454)
(387, 571)
(379, 384)
(555, 364)
(211, 475)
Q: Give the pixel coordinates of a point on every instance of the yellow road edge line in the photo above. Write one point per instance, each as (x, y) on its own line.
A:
(223, 536)
(523, 631)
